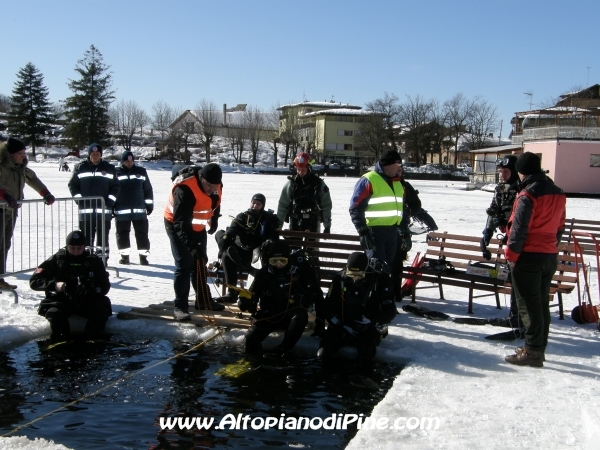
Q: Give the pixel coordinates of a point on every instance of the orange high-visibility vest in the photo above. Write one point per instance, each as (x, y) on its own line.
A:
(203, 210)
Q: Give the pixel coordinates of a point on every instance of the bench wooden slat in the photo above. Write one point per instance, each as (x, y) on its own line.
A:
(459, 251)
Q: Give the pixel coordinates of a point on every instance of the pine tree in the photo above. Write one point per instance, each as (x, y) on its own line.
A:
(87, 109)
(30, 113)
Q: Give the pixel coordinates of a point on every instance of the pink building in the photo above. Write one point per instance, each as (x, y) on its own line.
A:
(567, 138)
(573, 165)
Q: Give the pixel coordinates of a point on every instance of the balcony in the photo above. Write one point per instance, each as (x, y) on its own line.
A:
(554, 133)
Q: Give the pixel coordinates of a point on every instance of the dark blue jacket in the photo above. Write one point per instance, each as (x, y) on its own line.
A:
(100, 180)
(136, 196)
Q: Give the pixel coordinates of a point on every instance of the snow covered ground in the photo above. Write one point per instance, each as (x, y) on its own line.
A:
(452, 372)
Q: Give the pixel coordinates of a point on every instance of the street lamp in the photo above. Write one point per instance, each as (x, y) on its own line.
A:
(530, 98)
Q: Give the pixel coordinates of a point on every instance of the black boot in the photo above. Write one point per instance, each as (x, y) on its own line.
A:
(143, 260)
(124, 259)
(230, 297)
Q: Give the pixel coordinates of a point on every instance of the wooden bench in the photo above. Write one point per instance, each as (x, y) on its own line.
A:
(586, 226)
(458, 251)
(330, 253)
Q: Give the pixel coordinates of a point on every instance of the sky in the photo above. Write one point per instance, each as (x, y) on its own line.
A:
(451, 372)
(269, 52)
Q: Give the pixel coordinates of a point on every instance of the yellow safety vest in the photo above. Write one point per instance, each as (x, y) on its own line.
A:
(386, 204)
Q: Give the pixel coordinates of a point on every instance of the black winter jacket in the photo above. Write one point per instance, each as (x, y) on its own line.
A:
(62, 266)
(350, 300)
(136, 197)
(95, 180)
(250, 229)
(279, 290)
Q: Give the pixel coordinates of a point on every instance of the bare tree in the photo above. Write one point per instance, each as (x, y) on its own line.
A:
(236, 136)
(126, 117)
(272, 123)
(210, 119)
(162, 118)
(290, 131)
(372, 134)
(414, 116)
(58, 109)
(4, 103)
(482, 124)
(457, 111)
(439, 132)
(254, 122)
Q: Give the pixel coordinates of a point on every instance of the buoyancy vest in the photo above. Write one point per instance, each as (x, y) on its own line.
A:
(387, 202)
(203, 210)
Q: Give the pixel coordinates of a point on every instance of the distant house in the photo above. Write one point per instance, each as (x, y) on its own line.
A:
(567, 138)
(327, 130)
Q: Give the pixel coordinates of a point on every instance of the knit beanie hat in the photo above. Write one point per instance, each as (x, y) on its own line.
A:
(357, 262)
(75, 238)
(95, 148)
(528, 163)
(125, 156)
(279, 248)
(390, 157)
(212, 173)
(260, 198)
(14, 145)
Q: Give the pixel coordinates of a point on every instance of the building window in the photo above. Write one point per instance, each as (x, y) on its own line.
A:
(347, 146)
(594, 160)
(330, 147)
(344, 132)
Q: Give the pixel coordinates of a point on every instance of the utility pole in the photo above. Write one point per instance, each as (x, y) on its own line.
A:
(500, 135)
(588, 77)
(530, 98)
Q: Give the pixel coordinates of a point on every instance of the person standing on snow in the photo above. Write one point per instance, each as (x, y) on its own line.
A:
(246, 233)
(305, 200)
(534, 230)
(94, 177)
(133, 206)
(14, 174)
(377, 210)
(498, 214)
(194, 203)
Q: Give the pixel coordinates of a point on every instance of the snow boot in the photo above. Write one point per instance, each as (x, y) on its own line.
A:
(181, 315)
(230, 297)
(212, 306)
(526, 357)
(143, 260)
(5, 285)
(124, 259)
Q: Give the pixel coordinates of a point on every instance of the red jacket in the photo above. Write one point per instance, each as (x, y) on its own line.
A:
(537, 220)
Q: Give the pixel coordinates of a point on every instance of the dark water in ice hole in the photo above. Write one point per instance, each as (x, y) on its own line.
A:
(35, 380)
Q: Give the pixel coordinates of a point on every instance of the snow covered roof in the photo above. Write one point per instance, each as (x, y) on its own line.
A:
(329, 104)
(498, 149)
(340, 112)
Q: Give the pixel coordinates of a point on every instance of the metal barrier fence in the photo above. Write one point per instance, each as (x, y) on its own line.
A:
(40, 230)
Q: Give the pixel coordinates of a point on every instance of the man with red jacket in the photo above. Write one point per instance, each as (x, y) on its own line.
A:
(194, 204)
(534, 230)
